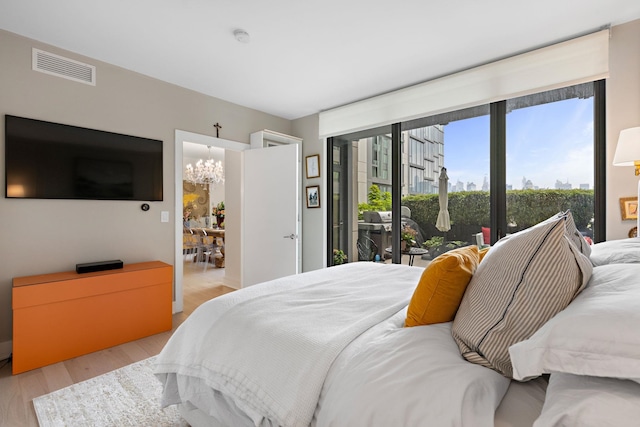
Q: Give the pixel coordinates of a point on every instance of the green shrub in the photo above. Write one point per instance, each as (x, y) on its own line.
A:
(528, 207)
(469, 210)
(376, 201)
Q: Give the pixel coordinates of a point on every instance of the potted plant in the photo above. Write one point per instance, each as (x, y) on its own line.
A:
(339, 257)
(218, 212)
(433, 242)
(437, 245)
(408, 238)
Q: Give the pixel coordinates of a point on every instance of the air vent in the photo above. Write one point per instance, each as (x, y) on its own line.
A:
(57, 65)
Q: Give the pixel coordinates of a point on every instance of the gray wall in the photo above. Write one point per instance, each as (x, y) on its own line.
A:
(44, 236)
(623, 111)
(313, 237)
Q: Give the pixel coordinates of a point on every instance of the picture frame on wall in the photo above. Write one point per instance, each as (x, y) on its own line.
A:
(629, 208)
(313, 166)
(313, 196)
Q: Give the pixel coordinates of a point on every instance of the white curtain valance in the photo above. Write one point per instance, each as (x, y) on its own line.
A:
(579, 60)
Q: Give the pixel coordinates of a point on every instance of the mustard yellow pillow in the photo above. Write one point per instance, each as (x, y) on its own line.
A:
(482, 252)
(441, 287)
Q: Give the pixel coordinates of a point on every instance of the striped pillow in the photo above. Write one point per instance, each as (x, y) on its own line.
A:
(523, 281)
(572, 232)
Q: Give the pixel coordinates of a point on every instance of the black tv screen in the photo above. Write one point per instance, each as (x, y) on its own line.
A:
(45, 160)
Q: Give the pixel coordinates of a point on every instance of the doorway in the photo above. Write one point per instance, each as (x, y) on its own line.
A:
(232, 180)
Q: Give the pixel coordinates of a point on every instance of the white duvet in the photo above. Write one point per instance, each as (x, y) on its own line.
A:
(396, 376)
(329, 343)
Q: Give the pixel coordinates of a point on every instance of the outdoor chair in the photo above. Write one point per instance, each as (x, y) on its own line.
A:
(367, 249)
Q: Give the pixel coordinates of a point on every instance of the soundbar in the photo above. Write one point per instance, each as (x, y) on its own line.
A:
(98, 266)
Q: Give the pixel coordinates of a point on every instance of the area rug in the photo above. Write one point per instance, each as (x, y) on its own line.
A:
(129, 396)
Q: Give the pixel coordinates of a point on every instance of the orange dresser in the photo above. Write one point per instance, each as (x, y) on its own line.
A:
(64, 315)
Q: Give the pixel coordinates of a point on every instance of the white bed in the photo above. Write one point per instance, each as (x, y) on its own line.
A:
(330, 348)
(383, 372)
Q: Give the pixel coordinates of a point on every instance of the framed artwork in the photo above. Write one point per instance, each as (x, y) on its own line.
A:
(313, 166)
(629, 207)
(313, 196)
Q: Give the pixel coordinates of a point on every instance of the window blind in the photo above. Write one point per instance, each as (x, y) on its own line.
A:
(579, 60)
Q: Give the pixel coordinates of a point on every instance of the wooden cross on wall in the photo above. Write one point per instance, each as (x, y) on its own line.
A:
(218, 127)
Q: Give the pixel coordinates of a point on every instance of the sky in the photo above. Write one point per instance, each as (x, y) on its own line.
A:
(545, 143)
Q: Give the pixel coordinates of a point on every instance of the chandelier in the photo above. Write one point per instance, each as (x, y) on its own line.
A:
(205, 172)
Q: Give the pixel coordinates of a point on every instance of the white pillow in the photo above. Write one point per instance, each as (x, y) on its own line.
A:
(584, 401)
(623, 251)
(598, 334)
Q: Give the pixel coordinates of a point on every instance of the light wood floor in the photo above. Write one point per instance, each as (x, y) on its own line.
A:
(17, 391)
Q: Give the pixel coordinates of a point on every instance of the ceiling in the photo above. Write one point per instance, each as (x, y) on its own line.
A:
(192, 152)
(305, 56)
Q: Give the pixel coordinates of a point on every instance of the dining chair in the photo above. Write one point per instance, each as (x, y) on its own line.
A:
(190, 244)
(207, 247)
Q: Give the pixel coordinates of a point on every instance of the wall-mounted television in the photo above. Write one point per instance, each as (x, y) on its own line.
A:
(45, 160)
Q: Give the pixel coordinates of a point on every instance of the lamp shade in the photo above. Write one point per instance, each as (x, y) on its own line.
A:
(628, 149)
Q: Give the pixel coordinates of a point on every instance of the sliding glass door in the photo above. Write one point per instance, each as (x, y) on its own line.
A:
(361, 195)
(509, 165)
(550, 157)
(459, 142)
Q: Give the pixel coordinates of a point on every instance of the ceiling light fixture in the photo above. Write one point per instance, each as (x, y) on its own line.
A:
(241, 35)
(206, 172)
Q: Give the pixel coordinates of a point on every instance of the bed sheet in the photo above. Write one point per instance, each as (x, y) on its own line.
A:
(522, 404)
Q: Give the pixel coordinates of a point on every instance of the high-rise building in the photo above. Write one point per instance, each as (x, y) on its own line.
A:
(422, 160)
(562, 185)
(485, 184)
(423, 153)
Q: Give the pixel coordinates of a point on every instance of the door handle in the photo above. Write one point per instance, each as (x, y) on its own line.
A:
(290, 236)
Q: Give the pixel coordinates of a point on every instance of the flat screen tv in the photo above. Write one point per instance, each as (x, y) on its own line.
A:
(45, 160)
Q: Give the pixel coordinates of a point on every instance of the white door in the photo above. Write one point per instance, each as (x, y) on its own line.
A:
(270, 214)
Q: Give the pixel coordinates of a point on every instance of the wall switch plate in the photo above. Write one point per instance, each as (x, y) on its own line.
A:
(164, 216)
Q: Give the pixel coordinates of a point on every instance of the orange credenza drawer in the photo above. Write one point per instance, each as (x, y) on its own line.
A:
(78, 314)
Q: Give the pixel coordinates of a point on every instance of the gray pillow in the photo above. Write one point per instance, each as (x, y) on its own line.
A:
(623, 251)
(523, 281)
(580, 400)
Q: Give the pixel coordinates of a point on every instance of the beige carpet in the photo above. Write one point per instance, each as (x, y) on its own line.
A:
(128, 396)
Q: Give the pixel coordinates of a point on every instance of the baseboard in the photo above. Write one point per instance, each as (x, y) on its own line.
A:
(6, 348)
(232, 283)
